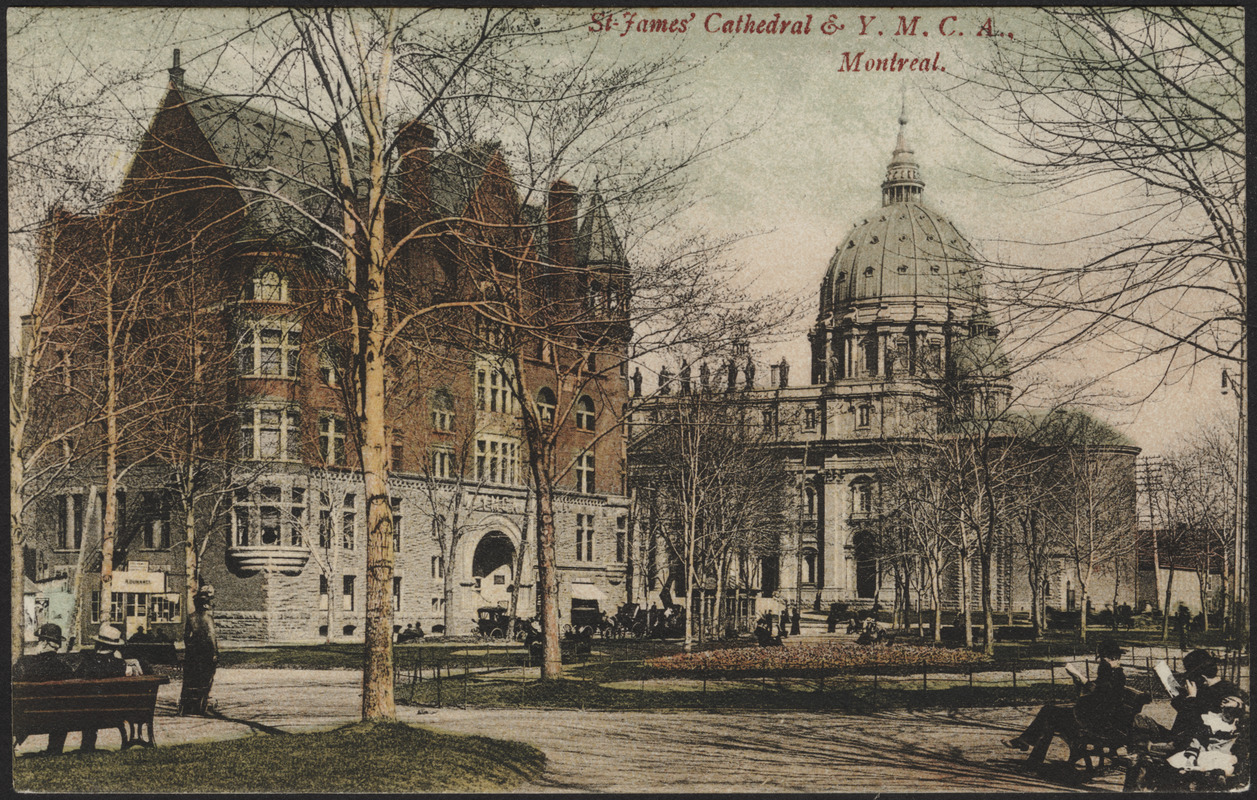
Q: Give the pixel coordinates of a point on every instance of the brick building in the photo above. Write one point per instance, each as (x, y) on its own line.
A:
(231, 203)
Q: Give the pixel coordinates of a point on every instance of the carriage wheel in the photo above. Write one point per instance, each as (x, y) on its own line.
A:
(587, 631)
(567, 630)
(497, 634)
(639, 630)
(520, 634)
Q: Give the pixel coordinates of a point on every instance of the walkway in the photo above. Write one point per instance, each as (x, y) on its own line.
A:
(685, 751)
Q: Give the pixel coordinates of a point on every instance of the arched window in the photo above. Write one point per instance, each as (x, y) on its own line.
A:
(809, 566)
(271, 287)
(442, 406)
(546, 403)
(585, 413)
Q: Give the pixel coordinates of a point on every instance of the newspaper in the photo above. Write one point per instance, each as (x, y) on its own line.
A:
(1168, 680)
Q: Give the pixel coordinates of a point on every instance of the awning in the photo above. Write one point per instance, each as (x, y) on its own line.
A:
(587, 591)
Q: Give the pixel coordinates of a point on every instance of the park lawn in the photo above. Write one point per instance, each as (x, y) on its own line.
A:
(349, 655)
(856, 694)
(359, 758)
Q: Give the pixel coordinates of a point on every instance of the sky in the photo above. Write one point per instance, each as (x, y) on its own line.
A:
(813, 138)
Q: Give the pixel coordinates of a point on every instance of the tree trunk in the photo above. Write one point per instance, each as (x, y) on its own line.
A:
(1165, 612)
(17, 558)
(1082, 612)
(190, 582)
(988, 619)
(966, 611)
(377, 674)
(547, 573)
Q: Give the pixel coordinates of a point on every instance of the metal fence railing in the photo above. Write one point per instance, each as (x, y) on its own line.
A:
(493, 673)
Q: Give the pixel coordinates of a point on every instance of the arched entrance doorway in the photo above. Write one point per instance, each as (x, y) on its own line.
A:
(865, 565)
(493, 568)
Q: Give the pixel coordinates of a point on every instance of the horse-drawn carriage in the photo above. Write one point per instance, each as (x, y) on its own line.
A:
(493, 622)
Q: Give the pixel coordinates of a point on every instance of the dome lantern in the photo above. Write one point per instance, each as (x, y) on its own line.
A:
(903, 182)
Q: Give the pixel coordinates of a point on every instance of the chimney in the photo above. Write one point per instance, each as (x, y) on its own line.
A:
(415, 141)
(561, 223)
(176, 72)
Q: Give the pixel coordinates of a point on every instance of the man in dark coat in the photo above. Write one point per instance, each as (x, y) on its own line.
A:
(104, 662)
(200, 655)
(1098, 700)
(794, 621)
(45, 664)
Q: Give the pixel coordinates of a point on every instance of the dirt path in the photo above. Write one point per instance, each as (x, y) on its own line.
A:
(688, 751)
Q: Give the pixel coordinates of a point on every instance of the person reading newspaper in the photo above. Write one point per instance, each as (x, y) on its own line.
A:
(1095, 705)
(1208, 731)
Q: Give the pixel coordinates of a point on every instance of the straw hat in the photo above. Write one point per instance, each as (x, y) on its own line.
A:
(109, 635)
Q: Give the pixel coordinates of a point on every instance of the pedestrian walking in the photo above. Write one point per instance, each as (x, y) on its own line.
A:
(200, 655)
(794, 621)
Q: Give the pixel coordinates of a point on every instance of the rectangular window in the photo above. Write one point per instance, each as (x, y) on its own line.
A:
(621, 539)
(347, 596)
(395, 453)
(863, 416)
(325, 521)
(442, 462)
(396, 503)
(271, 434)
(397, 594)
(348, 523)
(324, 591)
(497, 460)
(585, 473)
(70, 521)
(155, 520)
(96, 606)
(117, 601)
(296, 517)
(332, 441)
(584, 537)
(438, 567)
(493, 392)
(269, 350)
(809, 418)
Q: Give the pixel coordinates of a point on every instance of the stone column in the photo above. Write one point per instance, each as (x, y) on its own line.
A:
(832, 557)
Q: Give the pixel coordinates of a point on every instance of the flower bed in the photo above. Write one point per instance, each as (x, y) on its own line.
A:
(814, 659)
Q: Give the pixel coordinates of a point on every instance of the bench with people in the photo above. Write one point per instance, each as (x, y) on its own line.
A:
(55, 693)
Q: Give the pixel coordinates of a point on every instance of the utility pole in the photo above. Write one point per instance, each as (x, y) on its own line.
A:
(1237, 384)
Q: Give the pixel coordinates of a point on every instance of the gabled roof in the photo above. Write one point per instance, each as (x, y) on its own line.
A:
(264, 150)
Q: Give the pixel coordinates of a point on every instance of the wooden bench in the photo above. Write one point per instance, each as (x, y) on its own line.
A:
(1112, 734)
(78, 705)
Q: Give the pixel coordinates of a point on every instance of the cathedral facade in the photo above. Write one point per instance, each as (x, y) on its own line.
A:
(902, 311)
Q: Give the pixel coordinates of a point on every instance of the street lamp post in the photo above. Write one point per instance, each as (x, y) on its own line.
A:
(1237, 384)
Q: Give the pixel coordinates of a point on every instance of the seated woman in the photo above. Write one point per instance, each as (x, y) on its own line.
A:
(1097, 703)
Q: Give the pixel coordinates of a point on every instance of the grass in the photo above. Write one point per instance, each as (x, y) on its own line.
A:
(853, 695)
(349, 655)
(359, 758)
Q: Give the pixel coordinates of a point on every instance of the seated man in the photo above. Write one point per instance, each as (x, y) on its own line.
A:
(1097, 703)
(45, 664)
(104, 662)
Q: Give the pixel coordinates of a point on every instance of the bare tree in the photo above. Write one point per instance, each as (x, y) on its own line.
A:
(721, 491)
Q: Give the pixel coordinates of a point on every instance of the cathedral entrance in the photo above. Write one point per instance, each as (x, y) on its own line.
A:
(865, 565)
(492, 569)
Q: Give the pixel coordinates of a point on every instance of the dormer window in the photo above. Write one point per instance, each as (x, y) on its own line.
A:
(271, 287)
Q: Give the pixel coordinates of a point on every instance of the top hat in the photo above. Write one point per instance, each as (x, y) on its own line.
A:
(1109, 649)
(1198, 659)
(50, 632)
(109, 635)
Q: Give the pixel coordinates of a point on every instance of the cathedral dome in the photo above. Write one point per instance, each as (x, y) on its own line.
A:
(902, 250)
